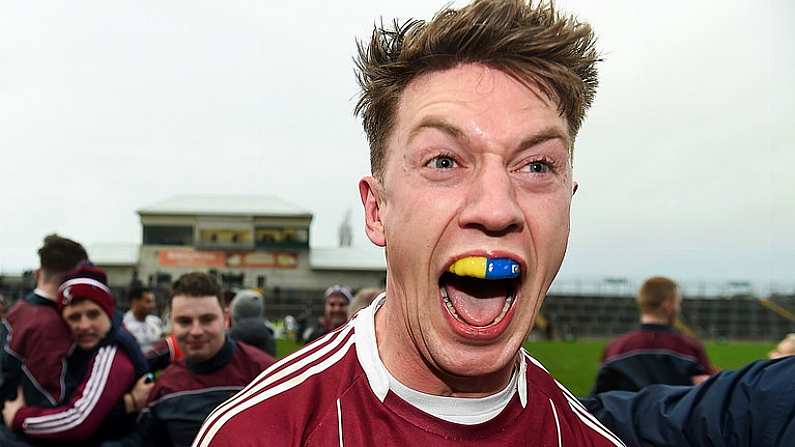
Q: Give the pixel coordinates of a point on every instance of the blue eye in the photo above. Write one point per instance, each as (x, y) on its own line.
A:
(538, 167)
(442, 162)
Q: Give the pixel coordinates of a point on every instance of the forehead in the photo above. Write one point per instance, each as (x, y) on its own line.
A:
(336, 299)
(182, 305)
(83, 305)
(482, 101)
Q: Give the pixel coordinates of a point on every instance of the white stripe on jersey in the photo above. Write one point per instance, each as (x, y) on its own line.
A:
(264, 379)
(586, 417)
(557, 421)
(56, 418)
(596, 426)
(278, 389)
(254, 391)
(91, 393)
(339, 421)
(83, 407)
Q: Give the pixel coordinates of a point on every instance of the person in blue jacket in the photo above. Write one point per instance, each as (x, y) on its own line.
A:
(750, 407)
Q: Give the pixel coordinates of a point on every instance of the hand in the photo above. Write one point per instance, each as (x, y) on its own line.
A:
(140, 392)
(12, 406)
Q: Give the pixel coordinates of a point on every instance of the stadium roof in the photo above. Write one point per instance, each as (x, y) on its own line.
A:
(118, 254)
(347, 258)
(247, 205)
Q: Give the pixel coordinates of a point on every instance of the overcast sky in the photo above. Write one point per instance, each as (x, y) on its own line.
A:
(684, 162)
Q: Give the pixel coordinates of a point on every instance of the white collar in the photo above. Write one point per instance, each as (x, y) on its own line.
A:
(374, 369)
(43, 294)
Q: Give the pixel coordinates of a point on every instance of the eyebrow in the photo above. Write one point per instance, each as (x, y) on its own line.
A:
(545, 134)
(437, 123)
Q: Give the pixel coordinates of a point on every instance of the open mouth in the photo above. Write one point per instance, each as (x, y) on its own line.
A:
(476, 297)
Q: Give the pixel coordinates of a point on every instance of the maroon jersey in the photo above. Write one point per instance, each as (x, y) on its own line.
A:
(658, 338)
(187, 392)
(335, 392)
(655, 353)
(37, 344)
(110, 374)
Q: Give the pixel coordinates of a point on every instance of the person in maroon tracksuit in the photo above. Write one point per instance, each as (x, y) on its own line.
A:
(471, 118)
(214, 366)
(655, 353)
(101, 368)
(36, 339)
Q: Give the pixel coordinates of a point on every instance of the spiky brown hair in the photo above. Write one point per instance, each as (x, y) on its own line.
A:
(533, 43)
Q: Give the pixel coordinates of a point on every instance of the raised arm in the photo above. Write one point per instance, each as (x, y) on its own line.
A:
(110, 375)
(752, 406)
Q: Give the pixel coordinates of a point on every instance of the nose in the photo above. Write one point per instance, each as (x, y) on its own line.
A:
(83, 324)
(491, 203)
(195, 328)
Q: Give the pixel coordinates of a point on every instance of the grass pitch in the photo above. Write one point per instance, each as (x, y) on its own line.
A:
(574, 364)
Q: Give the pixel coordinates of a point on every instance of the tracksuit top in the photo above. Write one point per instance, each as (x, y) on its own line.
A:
(95, 382)
(37, 341)
(186, 392)
(653, 354)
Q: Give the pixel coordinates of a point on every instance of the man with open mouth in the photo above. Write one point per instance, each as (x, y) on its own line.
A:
(471, 119)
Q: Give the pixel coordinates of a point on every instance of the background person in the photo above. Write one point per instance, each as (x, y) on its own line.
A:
(100, 371)
(656, 352)
(751, 406)
(36, 339)
(140, 320)
(335, 312)
(248, 321)
(214, 366)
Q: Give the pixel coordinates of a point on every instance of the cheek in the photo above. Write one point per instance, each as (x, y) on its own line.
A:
(549, 217)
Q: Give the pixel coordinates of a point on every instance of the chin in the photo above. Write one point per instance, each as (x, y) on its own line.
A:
(88, 346)
(468, 358)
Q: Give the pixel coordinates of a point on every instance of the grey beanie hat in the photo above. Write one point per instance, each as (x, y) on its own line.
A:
(247, 304)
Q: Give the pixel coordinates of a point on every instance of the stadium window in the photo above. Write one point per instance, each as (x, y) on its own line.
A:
(168, 235)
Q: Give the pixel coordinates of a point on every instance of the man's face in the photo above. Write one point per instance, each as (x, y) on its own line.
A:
(477, 165)
(336, 310)
(88, 323)
(144, 305)
(198, 324)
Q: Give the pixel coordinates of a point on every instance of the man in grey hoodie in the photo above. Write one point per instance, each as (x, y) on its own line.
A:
(248, 321)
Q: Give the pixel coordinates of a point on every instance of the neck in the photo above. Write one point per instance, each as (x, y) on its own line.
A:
(654, 319)
(140, 316)
(403, 359)
(49, 288)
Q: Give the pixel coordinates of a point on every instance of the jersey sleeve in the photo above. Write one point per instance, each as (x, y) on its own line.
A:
(10, 366)
(109, 376)
(749, 406)
(703, 360)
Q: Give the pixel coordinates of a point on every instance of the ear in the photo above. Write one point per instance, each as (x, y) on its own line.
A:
(575, 188)
(370, 192)
(227, 318)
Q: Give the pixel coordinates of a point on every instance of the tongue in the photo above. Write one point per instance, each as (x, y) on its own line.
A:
(477, 302)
